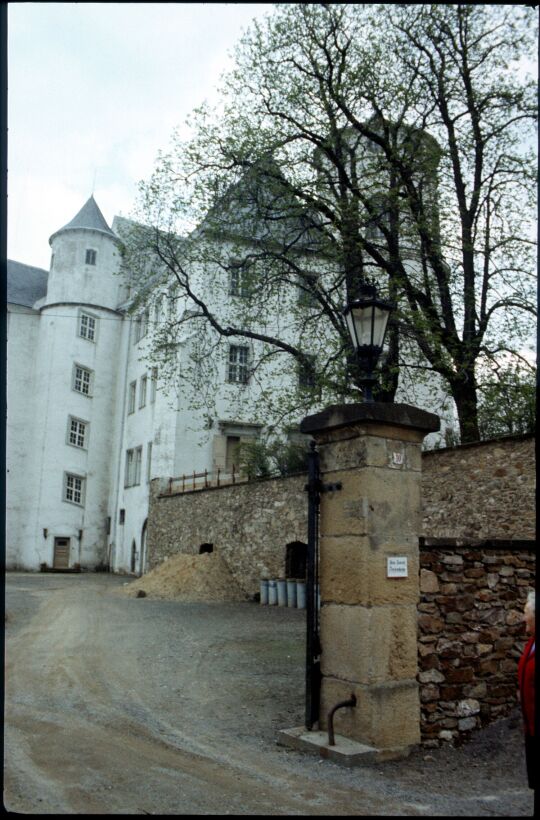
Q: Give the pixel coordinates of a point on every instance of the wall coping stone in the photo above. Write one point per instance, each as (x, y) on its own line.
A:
(398, 415)
(482, 443)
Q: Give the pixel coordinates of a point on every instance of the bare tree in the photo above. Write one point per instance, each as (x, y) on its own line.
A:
(353, 142)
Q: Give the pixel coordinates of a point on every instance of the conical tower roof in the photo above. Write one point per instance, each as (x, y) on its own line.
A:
(88, 218)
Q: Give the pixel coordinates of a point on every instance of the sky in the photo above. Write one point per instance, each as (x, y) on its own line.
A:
(95, 90)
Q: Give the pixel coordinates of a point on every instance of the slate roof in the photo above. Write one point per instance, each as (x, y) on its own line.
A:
(25, 284)
(89, 217)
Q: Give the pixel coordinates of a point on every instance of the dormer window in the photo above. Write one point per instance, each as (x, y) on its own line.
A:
(90, 256)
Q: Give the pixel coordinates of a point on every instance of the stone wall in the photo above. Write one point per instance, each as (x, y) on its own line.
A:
(249, 524)
(484, 490)
(477, 491)
(470, 608)
(470, 636)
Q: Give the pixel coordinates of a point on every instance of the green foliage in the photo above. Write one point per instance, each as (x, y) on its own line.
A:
(379, 141)
(259, 459)
(508, 403)
(253, 460)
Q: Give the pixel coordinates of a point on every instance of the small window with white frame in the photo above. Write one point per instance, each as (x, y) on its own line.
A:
(131, 397)
(74, 489)
(87, 326)
(238, 280)
(142, 390)
(90, 258)
(237, 367)
(77, 433)
(132, 475)
(128, 473)
(82, 380)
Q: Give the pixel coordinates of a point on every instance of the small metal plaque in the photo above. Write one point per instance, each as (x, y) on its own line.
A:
(396, 567)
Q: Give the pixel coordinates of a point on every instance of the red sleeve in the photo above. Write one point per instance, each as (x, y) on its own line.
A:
(526, 686)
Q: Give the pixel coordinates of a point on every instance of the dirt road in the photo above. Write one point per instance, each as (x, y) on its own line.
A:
(120, 705)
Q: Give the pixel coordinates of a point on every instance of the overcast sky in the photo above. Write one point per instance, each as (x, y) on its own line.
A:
(94, 91)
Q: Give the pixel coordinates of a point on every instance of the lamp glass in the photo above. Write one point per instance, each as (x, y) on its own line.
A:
(367, 324)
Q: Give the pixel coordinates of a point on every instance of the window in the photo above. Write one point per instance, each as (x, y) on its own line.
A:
(87, 326)
(238, 280)
(306, 291)
(158, 309)
(128, 474)
(153, 385)
(148, 461)
(90, 257)
(77, 432)
(73, 488)
(122, 517)
(131, 398)
(82, 380)
(141, 326)
(306, 372)
(132, 474)
(172, 299)
(238, 364)
(137, 329)
(142, 391)
(138, 462)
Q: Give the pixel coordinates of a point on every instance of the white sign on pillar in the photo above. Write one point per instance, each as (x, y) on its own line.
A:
(396, 567)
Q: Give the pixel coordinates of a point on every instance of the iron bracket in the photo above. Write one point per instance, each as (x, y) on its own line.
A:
(332, 487)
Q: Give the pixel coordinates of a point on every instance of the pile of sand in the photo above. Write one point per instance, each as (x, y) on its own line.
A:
(203, 577)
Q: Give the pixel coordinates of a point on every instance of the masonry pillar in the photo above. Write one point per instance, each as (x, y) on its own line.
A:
(368, 604)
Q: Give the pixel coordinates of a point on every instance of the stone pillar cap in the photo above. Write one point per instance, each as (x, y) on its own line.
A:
(377, 412)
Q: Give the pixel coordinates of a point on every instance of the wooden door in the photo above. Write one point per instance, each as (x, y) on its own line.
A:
(61, 553)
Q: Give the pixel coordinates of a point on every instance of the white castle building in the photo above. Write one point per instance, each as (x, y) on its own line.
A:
(88, 422)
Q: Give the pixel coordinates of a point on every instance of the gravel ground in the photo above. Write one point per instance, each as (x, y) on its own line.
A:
(118, 705)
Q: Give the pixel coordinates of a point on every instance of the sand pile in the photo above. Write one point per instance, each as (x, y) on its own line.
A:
(203, 577)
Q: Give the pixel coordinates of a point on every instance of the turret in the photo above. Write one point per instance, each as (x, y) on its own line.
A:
(85, 259)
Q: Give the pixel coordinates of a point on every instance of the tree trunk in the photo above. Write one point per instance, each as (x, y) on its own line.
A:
(466, 398)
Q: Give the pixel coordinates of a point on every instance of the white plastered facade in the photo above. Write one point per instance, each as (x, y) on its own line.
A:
(81, 448)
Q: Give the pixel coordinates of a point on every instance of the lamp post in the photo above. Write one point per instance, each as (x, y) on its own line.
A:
(367, 320)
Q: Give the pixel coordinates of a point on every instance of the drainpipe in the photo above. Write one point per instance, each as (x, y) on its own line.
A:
(340, 705)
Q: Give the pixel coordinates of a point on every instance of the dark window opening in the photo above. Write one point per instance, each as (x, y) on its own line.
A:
(133, 556)
(296, 560)
(206, 548)
(122, 516)
(90, 257)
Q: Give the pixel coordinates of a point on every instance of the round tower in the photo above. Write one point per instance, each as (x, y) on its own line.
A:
(77, 366)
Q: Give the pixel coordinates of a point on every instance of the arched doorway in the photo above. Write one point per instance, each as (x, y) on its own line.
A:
(143, 564)
(296, 560)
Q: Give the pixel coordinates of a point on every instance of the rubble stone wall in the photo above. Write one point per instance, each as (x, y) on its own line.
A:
(249, 524)
(484, 490)
(470, 636)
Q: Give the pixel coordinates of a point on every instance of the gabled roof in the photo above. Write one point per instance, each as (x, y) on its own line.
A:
(25, 284)
(88, 218)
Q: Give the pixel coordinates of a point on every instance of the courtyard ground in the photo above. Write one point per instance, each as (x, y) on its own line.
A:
(121, 705)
